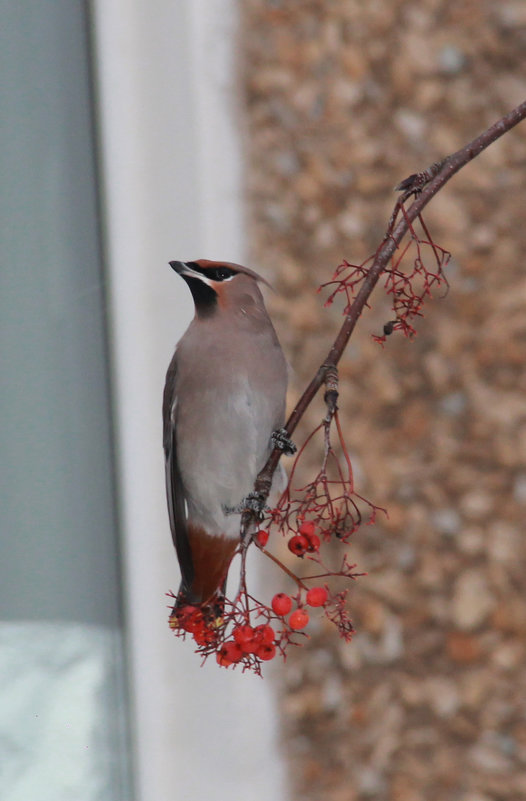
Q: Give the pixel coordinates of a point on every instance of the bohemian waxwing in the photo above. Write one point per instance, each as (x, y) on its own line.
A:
(224, 398)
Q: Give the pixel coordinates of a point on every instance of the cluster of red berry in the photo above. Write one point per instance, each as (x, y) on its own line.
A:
(282, 604)
(305, 541)
(226, 631)
(246, 640)
(259, 641)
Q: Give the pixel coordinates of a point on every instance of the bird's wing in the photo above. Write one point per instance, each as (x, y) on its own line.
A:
(174, 484)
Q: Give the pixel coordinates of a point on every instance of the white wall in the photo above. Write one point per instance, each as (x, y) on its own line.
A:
(172, 182)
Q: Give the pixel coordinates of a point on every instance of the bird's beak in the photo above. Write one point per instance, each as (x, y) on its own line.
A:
(182, 269)
(185, 271)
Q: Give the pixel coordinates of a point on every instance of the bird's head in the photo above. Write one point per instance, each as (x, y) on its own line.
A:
(219, 285)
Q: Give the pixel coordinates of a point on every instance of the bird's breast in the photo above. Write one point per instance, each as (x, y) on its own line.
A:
(229, 398)
(223, 442)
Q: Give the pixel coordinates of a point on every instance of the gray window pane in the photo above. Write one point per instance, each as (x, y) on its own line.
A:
(57, 509)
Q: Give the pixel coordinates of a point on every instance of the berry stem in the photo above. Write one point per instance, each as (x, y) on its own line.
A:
(285, 569)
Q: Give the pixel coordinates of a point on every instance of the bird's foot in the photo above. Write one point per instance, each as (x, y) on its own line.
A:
(253, 502)
(280, 439)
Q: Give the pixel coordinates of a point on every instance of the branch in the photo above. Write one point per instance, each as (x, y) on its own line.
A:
(424, 187)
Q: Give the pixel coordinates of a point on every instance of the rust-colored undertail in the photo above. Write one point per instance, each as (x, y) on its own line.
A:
(211, 557)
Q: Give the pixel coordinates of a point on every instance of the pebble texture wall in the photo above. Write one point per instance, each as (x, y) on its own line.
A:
(343, 100)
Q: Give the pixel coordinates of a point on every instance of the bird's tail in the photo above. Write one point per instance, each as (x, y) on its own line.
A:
(211, 557)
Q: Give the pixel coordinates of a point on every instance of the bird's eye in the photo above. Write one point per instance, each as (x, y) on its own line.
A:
(222, 273)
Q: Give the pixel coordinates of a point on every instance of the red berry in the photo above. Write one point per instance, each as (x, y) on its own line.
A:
(281, 604)
(298, 544)
(244, 637)
(229, 653)
(266, 651)
(204, 636)
(262, 537)
(243, 633)
(299, 619)
(314, 543)
(264, 634)
(190, 618)
(307, 528)
(317, 596)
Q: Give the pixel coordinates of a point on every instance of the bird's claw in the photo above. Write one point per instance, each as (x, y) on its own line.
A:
(253, 502)
(280, 439)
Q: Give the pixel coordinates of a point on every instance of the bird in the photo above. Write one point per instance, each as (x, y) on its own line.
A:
(223, 413)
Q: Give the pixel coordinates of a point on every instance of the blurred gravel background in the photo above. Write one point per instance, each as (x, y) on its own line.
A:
(343, 99)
